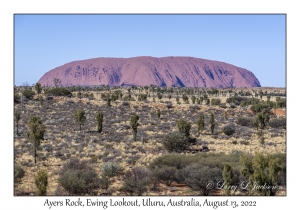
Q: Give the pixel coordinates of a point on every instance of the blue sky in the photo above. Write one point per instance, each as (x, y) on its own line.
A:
(253, 42)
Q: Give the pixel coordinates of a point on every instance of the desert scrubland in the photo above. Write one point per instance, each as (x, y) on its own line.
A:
(165, 150)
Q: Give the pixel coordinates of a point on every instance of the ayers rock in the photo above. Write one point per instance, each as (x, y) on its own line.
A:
(145, 70)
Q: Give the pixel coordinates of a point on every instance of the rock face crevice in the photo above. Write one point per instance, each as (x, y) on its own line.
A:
(146, 71)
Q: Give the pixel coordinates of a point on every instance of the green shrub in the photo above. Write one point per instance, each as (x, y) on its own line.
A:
(58, 91)
(261, 119)
(227, 175)
(180, 161)
(184, 127)
(136, 181)
(76, 177)
(200, 123)
(185, 98)
(134, 124)
(212, 123)
(41, 182)
(222, 105)
(280, 102)
(245, 121)
(242, 101)
(193, 99)
(259, 107)
(143, 97)
(105, 96)
(114, 97)
(125, 103)
(17, 97)
(192, 140)
(80, 117)
(235, 99)
(173, 160)
(165, 174)
(73, 163)
(73, 182)
(232, 106)
(176, 142)
(169, 105)
(244, 142)
(207, 101)
(159, 96)
(36, 133)
(18, 173)
(99, 118)
(261, 170)
(79, 182)
(104, 182)
(229, 129)
(215, 101)
(278, 122)
(92, 180)
(111, 169)
(198, 177)
(158, 113)
(28, 93)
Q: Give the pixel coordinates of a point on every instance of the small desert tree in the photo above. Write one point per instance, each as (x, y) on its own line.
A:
(225, 115)
(261, 138)
(207, 101)
(79, 95)
(201, 100)
(38, 88)
(193, 99)
(99, 118)
(158, 113)
(17, 119)
(260, 95)
(17, 97)
(80, 117)
(18, 173)
(185, 98)
(184, 127)
(268, 99)
(212, 123)
(36, 133)
(200, 123)
(261, 170)
(159, 96)
(134, 125)
(227, 175)
(261, 119)
(108, 100)
(41, 182)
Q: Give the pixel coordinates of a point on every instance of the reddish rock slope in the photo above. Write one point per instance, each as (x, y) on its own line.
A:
(144, 71)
